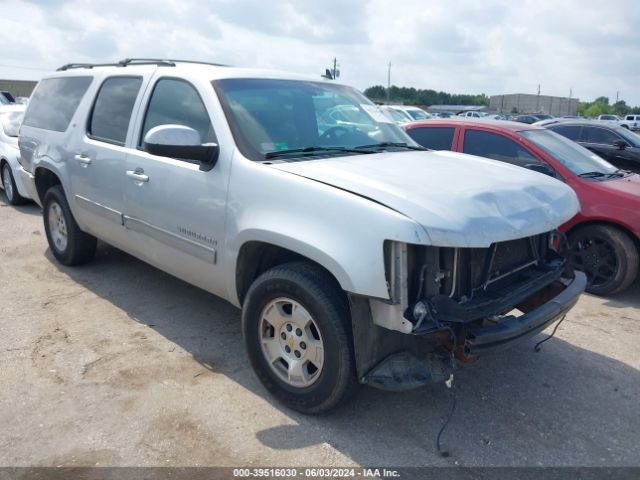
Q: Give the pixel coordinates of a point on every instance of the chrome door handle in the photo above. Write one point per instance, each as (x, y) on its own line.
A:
(83, 159)
(138, 175)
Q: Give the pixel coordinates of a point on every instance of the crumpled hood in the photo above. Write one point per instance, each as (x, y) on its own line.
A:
(460, 200)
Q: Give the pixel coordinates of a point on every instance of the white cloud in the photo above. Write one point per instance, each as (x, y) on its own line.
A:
(494, 46)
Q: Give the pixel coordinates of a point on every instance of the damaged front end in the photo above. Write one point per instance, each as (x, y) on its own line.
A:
(449, 305)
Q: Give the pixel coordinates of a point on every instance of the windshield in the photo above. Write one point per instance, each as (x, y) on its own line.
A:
(11, 122)
(631, 137)
(573, 156)
(419, 114)
(395, 115)
(304, 118)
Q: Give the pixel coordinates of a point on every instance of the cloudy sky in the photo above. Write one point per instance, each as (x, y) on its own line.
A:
(461, 46)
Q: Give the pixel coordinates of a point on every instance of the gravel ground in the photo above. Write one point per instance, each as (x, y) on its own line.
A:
(118, 364)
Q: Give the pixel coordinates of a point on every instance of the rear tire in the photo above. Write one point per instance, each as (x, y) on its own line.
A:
(9, 184)
(69, 244)
(297, 330)
(607, 255)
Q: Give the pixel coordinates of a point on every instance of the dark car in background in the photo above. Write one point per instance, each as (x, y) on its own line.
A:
(529, 119)
(6, 98)
(615, 144)
(604, 238)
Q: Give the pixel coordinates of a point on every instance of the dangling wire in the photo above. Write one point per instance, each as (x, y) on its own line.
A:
(537, 346)
(449, 384)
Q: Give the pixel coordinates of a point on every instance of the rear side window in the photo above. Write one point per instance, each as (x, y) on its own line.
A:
(55, 101)
(177, 102)
(599, 135)
(497, 147)
(435, 138)
(112, 109)
(572, 132)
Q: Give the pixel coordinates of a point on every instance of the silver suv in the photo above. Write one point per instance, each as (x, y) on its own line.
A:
(355, 255)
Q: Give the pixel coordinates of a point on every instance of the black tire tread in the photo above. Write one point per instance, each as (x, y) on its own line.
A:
(81, 247)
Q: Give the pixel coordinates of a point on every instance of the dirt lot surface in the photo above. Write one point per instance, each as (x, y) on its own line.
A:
(118, 363)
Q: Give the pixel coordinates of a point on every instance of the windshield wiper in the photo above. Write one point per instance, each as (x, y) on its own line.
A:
(392, 144)
(592, 174)
(619, 173)
(312, 150)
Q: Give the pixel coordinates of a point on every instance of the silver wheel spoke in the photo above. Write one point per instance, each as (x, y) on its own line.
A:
(296, 373)
(300, 316)
(315, 353)
(272, 348)
(275, 316)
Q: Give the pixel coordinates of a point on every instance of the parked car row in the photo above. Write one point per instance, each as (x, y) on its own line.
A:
(356, 255)
(11, 116)
(604, 237)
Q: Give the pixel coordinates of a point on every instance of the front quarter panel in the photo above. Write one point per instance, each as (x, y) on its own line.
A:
(341, 231)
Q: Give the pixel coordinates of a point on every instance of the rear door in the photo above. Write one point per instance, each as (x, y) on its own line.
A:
(499, 147)
(601, 141)
(99, 158)
(175, 209)
(434, 137)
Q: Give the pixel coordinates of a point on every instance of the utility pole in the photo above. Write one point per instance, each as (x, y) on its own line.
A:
(617, 95)
(569, 103)
(389, 82)
(538, 100)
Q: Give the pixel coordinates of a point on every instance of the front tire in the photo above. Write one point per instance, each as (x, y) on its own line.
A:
(607, 255)
(9, 185)
(297, 330)
(69, 244)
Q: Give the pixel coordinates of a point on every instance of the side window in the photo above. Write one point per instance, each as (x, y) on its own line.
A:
(112, 109)
(177, 102)
(497, 147)
(572, 132)
(435, 138)
(599, 135)
(55, 101)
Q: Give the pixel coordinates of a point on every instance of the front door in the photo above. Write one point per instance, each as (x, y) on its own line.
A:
(174, 208)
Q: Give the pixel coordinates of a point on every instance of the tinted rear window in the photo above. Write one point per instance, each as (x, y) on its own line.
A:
(113, 107)
(435, 138)
(572, 132)
(599, 135)
(55, 101)
(497, 147)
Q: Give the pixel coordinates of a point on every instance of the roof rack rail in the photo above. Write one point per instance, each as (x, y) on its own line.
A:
(137, 61)
(69, 66)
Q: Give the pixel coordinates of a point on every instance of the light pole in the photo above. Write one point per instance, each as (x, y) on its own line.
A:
(389, 82)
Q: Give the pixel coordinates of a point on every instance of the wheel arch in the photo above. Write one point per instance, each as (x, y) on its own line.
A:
(607, 223)
(256, 257)
(45, 179)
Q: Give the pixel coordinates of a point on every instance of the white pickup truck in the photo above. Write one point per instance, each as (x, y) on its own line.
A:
(356, 255)
(630, 122)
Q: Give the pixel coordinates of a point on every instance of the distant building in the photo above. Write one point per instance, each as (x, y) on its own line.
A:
(18, 88)
(531, 103)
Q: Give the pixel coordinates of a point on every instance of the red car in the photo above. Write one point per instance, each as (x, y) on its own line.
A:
(604, 238)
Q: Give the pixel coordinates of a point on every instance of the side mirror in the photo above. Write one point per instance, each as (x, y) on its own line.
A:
(178, 141)
(620, 144)
(541, 168)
